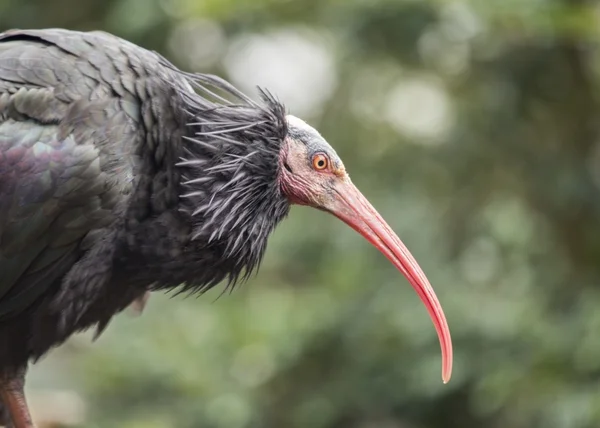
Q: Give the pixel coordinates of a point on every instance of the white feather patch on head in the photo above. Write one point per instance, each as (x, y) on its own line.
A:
(296, 122)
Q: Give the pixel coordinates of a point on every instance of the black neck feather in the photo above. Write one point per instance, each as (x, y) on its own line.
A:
(229, 175)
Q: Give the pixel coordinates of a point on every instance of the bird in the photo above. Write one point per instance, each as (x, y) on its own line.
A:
(122, 175)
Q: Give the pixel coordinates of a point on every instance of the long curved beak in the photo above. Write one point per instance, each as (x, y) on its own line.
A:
(348, 204)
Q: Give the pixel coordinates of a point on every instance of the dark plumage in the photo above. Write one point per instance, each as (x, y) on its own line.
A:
(120, 174)
(106, 157)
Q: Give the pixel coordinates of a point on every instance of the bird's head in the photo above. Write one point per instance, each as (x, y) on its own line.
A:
(311, 173)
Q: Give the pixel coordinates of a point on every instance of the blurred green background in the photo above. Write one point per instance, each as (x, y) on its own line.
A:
(473, 127)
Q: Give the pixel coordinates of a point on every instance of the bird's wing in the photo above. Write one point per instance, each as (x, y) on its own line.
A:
(52, 194)
(60, 177)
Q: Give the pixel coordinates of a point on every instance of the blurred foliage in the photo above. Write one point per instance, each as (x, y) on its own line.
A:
(473, 127)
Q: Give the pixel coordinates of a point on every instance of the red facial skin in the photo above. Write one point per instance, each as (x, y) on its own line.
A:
(318, 179)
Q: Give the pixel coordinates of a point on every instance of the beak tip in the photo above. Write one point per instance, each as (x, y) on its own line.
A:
(446, 374)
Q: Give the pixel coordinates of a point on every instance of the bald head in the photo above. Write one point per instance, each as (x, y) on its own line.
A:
(300, 132)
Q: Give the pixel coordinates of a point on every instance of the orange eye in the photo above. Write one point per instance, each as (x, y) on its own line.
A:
(320, 162)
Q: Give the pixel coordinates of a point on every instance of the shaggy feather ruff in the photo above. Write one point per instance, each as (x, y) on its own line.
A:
(229, 169)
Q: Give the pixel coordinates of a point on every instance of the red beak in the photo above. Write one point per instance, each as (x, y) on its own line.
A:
(356, 211)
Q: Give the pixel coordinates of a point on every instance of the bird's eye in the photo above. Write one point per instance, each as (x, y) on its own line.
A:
(320, 161)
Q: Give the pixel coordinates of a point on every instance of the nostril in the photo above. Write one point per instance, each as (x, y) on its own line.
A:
(285, 164)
